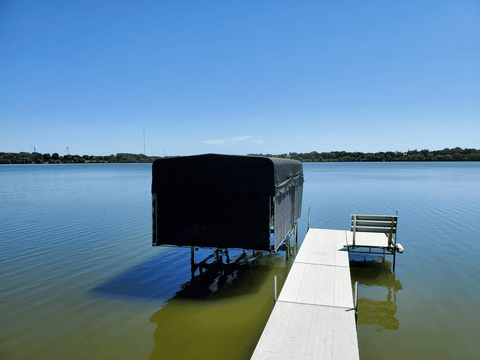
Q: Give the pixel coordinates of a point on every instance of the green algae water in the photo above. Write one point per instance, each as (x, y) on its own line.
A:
(79, 278)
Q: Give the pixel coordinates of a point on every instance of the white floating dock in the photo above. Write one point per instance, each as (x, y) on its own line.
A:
(314, 316)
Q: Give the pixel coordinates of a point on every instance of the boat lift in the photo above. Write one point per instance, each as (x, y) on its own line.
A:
(225, 202)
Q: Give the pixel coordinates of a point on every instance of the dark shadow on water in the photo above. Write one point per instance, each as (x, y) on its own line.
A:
(377, 292)
(221, 313)
(169, 275)
(159, 278)
(215, 309)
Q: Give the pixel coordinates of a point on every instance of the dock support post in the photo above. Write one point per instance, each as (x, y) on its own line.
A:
(275, 287)
(356, 301)
(395, 246)
(356, 297)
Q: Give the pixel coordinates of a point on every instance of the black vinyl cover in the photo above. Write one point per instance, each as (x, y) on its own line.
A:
(218, 200)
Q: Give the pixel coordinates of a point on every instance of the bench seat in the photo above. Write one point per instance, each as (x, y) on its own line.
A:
(373, 231)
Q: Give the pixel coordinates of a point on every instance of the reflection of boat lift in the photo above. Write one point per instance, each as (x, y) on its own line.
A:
(217, 264)
(214, 271)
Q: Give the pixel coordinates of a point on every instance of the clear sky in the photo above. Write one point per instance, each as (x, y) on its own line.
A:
(238, 77)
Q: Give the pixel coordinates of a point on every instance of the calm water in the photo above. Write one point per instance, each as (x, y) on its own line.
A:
(79, 278)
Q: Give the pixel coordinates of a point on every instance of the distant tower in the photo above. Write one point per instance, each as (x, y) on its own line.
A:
(143, 141)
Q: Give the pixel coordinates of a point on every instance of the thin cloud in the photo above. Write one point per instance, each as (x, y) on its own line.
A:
(239, 138)
(230, 140)
(215, 142)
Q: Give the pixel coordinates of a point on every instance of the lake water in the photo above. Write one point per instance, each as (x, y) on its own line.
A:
(79, 278)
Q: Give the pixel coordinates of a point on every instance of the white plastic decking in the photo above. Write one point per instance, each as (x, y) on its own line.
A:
(313, 317)
(367, 239)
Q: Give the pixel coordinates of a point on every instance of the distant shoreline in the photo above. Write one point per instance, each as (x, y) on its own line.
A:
(455, 154)
(37, 158)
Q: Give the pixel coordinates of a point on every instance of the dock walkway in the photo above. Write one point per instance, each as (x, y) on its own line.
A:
(314, 316)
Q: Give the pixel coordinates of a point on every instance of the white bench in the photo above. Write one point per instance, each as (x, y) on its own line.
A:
(374, 231)
(374, 225)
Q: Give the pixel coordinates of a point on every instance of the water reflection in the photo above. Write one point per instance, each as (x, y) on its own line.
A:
(221, 312)
(377, 293)
(214, 304)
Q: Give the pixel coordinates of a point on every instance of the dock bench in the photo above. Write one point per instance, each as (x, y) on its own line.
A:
(374, 231)
(382, 230)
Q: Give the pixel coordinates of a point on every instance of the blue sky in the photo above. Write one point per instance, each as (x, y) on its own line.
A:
(238, 77)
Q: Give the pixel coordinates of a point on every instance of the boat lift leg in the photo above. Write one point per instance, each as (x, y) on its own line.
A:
(192, 261)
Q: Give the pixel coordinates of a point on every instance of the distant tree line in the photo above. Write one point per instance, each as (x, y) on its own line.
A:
(455, 154)
(55, 158)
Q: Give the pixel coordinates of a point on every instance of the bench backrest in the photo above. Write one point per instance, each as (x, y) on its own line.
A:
(375, 223)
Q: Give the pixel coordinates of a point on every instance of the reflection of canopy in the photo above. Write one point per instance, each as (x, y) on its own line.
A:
(225, 201)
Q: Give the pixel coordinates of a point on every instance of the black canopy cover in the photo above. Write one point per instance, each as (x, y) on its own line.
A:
(223, 201)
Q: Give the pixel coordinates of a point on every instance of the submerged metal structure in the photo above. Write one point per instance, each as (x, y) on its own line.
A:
(225, 201)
